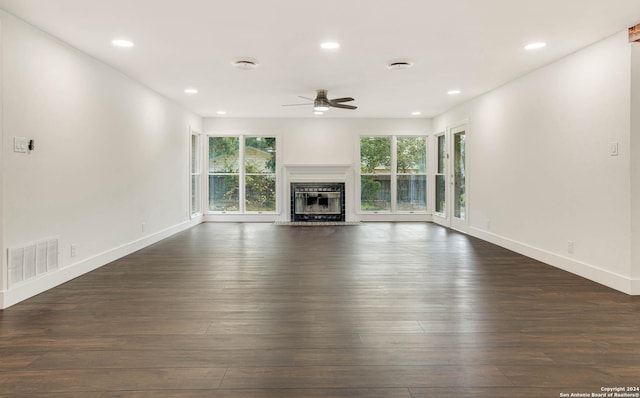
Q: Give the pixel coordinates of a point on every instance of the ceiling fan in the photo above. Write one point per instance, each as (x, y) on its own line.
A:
(322, 104)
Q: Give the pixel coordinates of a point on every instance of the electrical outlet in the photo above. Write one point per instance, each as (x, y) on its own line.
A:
(488, 225)
(570, 246)
(74, 249)
(142, 228)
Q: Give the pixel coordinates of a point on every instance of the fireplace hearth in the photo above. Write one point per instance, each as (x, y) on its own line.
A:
(317, 202)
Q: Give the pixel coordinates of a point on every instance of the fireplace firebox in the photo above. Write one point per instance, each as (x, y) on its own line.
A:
(316, 202)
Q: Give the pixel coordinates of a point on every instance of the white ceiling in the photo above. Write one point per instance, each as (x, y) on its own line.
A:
(472, 45)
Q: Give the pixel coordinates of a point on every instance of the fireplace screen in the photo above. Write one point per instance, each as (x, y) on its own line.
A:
(317, 202)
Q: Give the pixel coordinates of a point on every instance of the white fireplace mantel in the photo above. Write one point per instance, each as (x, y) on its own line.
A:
(320, 173)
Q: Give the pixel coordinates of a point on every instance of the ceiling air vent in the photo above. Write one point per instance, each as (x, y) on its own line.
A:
(245, 63)
(397, 65)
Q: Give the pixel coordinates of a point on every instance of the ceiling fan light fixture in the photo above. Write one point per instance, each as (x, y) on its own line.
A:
(318, 113)
(320, 107)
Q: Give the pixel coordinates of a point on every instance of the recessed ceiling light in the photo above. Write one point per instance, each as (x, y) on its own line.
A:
(454, 92)
(416, 113)
(221, 112)
(191, 91)
(535, 46)
(122, 43)
(330, 45)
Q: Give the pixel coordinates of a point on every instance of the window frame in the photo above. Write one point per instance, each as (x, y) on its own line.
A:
(242, 174)
(425, 173)
(393, 174)
(195, 174)
(440, 157)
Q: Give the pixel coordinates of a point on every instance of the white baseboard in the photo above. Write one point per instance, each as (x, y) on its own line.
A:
(48, 281)
(635, 287)
(585, 270)
(222, 218)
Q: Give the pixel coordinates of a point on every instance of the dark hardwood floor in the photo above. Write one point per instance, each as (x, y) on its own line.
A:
(375, 310)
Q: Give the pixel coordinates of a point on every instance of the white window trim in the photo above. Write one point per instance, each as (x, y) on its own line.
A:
(242, 175)
(195, 213)
(393, 175)
(436, 156)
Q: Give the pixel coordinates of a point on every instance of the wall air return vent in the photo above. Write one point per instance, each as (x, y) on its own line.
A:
(32, 260)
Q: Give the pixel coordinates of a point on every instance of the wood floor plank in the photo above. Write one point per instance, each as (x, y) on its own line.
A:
(100, 380)
(488, 392)
(377, 310)
(268, 393)
(363, 377)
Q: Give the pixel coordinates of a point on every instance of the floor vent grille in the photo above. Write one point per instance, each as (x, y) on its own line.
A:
(33, 260)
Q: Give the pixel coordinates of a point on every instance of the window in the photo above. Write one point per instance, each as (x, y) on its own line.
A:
(196, 174)
(441, 176)
(411, 158)
(375, 173)
(459, 202)
(260, 173)
(224, 173)
(393, 174)
(242, 174)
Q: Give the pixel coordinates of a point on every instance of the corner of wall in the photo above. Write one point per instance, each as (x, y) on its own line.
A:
(3, 263)
(635, 163)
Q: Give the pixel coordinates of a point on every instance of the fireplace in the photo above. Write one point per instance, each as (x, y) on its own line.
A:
(317, 201)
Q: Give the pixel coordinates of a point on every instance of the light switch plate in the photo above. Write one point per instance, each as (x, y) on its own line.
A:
(20, 144)
(613, 148)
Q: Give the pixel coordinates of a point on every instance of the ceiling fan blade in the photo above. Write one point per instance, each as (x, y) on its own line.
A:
(342, 106)
(344, 99)
(307, 98)
(295, 104)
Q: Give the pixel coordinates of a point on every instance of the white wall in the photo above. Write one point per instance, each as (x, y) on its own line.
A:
(635, 162)
(110, 155)
(538, 150)
(2, 257)
(318, 141)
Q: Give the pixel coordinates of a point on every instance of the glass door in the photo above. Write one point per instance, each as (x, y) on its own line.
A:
(458, 178)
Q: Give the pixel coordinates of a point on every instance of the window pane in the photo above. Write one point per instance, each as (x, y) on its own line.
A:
(260, 155)
(195, 194)
(224, 154)
(442, 154)
(412, 193)
(375, 192)
(460, 175)
(260, 192)
(375, 155)
(440, 194)
(412, 155)
(195, 154)
(224, 192)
